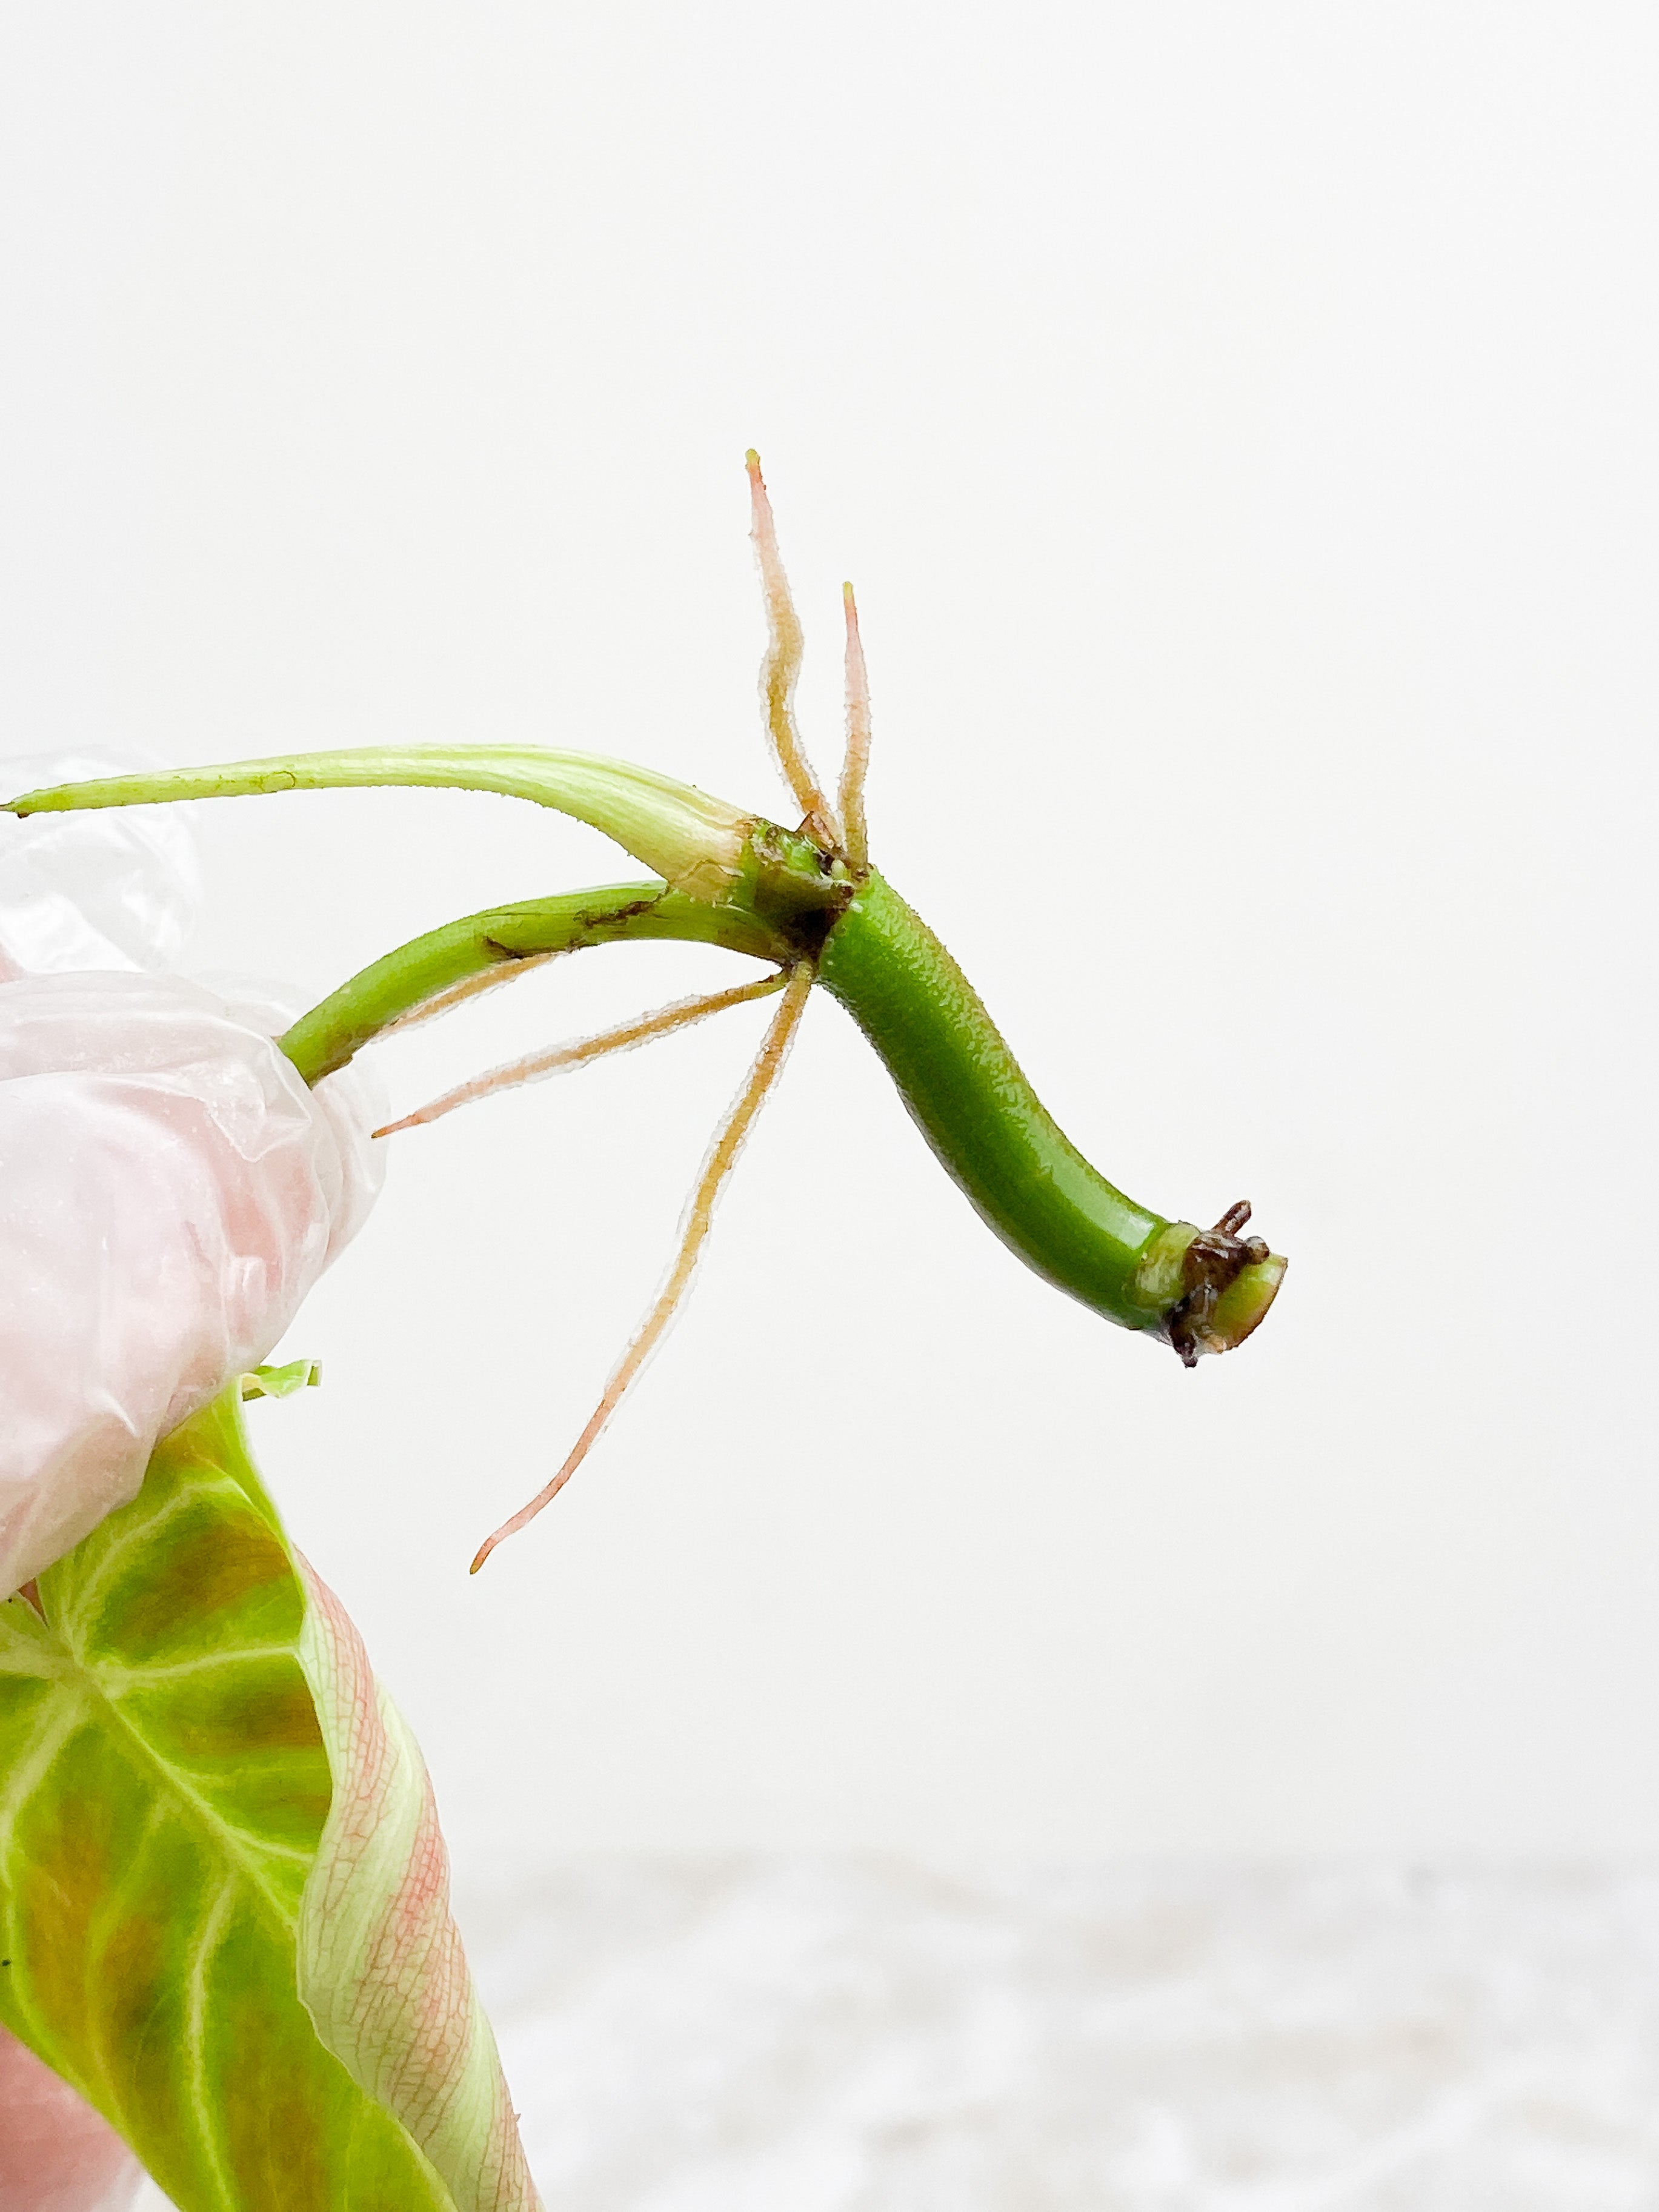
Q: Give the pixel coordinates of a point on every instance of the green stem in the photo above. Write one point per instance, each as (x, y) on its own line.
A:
(350, 1018)
(1202, 1290)
(985, 1123)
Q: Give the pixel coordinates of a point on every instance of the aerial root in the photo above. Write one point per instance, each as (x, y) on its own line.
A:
(721, 1157)
(554, 1059)
(470, 987)
(855, 762)
(781, 668)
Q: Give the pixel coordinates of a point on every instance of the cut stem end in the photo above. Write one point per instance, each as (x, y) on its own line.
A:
(1230, 1281)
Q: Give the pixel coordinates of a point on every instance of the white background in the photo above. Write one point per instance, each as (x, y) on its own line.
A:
(1239, 423)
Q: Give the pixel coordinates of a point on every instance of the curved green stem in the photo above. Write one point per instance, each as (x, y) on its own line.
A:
(699, 843)
(986, 1126)
(325, 1038)
(1203, 1290)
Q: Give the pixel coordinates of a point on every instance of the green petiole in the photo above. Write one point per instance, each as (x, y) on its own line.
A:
(965, 1089)
(497, 943)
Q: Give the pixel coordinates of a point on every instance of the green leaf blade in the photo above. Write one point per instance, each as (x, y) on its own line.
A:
(167, 1782)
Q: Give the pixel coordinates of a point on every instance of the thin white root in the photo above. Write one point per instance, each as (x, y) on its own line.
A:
(644, 1029)
(472, 987)
(781, 668)
(855, 763)
(721, 1157)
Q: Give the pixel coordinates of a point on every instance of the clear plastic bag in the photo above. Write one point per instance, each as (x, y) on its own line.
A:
(57, 2154)
(119, 889)
(169, 1188)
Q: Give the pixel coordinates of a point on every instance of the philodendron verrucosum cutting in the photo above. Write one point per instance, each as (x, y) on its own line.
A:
(258, 1897)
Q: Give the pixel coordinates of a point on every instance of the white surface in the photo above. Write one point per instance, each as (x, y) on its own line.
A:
(1239, 423)
(820, 2036)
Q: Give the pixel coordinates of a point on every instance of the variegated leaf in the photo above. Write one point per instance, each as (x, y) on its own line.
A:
(223, 1897)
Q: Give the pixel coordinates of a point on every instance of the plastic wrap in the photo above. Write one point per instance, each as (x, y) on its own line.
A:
(57, 2154)
(116, 890)
(169, 1188)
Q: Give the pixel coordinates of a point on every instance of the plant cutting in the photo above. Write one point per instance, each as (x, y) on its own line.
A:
(219, 1876)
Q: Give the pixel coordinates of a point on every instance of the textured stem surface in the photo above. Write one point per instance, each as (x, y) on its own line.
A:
(501, 937)
(972, 1101)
